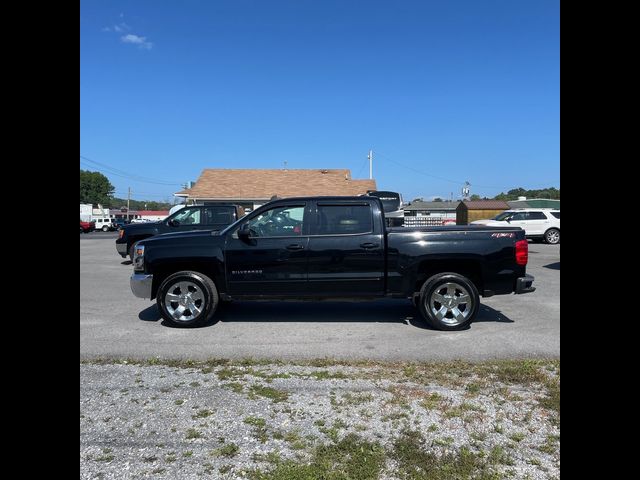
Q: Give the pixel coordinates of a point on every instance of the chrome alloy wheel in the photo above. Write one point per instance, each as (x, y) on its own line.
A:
(184, 301)
(451, 303)
(553, 237)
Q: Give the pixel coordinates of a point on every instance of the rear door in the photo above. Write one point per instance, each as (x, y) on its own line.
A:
(537, 223)
(346, 249)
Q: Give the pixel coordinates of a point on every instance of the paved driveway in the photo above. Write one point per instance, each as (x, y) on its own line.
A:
(114, 323)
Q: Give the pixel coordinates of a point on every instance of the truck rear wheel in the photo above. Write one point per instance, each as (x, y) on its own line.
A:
(449, 301)
(187, 299)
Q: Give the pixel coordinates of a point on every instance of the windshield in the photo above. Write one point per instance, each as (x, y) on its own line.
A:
(503, 216)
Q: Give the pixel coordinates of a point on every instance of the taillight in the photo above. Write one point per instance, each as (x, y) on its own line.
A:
(121, 233)
(522, 252)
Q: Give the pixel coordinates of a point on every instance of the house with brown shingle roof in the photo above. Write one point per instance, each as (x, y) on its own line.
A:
(251, 188)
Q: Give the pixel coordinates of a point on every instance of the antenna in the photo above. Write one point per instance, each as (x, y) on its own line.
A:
(370, 157)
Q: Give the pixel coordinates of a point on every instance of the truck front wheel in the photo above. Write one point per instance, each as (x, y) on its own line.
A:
(449, 301)
(187, 299)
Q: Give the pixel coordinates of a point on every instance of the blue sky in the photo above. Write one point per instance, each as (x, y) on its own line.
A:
(442, 91)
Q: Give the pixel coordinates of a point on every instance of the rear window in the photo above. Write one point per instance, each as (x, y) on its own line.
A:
(344, 219)
(556, 214)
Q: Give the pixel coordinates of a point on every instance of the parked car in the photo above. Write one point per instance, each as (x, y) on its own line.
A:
(192, 217)
(119, 222)
(87, 227)
(330, 247)
(104, 224)
(537, 223)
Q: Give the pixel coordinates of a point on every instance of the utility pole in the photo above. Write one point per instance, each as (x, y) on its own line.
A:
(370, 157)
(128, 203)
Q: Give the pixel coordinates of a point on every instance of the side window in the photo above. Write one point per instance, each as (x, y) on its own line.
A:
(188, 216)
(556, 214)
(519, 216)
(537, 216)
(344, 219)
(285, 221)
(218, 215)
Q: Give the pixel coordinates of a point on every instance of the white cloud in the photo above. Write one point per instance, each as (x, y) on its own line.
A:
(137, 40)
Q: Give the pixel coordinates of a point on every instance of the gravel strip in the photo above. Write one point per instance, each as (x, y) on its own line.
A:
(241, 421)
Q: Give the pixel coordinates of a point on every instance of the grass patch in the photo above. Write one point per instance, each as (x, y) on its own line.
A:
(204, 413)
(193, 433)
(268, 392)
(416, 463)
(228, 450)
(235, 386)
(350, 459)
(255, 421)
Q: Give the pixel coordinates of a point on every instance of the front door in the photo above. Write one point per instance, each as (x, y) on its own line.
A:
(346, 250)
(273, 261)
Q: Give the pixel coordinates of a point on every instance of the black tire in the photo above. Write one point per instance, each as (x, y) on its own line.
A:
(105, 229)
(448, 287)
(552, 236)
(202, 295)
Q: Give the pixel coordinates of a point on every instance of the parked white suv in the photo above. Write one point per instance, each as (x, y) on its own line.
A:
(104, 224)
(537, 223)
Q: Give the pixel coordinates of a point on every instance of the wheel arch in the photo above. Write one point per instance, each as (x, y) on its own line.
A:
(465, 267)
(211, 270)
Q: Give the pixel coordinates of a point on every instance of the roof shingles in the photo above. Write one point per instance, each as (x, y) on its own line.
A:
(220, 183)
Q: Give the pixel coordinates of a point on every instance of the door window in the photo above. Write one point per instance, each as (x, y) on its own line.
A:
(516, 217)
(344, 219)
(188, 216)
(537, 216)
(284, 221)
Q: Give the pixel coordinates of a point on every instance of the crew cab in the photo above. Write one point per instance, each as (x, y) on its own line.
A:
(330, 247)
(192, 217)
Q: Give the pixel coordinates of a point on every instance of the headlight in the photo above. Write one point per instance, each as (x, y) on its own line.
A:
(138, 257)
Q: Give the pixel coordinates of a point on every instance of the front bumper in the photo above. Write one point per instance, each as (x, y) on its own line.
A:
(122, 249)
(524, 284)
(141, 285)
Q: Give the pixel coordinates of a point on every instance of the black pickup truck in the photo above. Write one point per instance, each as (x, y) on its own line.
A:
(330, 247)
(193, 217)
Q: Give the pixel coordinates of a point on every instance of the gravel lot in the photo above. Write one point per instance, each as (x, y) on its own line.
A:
(360, 421)
(114, 323)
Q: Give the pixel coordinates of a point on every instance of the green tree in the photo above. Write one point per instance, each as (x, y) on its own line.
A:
(475, 196)
(513, 194)
(437, 199)
(95, 188)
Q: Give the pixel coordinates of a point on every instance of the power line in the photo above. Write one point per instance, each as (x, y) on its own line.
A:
(454, 181)
(122, 173)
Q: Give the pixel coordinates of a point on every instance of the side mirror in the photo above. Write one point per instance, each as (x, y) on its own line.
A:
(508, 220)
(173, 223)
(245, 231)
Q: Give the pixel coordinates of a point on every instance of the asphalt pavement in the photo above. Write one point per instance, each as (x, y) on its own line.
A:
(115, 324)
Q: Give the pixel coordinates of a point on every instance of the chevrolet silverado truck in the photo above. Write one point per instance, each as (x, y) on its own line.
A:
(192, 217)
(325, 248)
